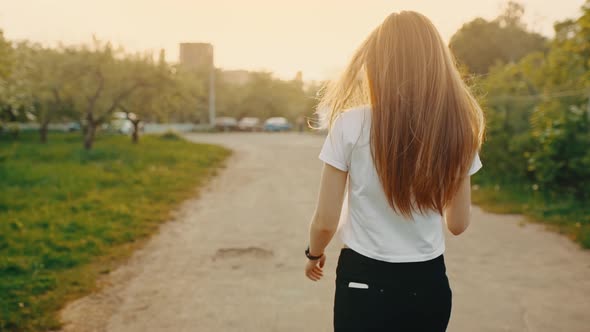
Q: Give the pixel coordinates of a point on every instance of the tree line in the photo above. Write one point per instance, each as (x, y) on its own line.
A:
(536, 95)
(535, 92)
(89, 83)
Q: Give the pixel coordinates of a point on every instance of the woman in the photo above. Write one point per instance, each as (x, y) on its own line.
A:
(405, 132)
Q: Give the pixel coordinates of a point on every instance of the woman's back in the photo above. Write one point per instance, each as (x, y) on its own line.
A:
(371, 227)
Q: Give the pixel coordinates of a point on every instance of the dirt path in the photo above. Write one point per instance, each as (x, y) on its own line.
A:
(232, 260)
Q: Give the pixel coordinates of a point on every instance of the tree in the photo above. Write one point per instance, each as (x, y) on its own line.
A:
(37, 84)
(104, 81)
(508, 106)
(480, 44)
(5, 56)
(538, 111)
(561, 122)
(154, 98)
(512, 15)
(5, 67)
(262, 96)
(188, 98)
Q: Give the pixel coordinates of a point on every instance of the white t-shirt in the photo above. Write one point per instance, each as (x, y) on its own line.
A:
(369, 225)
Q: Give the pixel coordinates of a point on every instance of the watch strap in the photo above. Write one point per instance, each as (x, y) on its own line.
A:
(310, 257)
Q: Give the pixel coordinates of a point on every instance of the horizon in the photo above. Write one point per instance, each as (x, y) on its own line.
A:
(261, 35)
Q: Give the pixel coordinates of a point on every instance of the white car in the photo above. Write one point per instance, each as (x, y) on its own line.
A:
(226, 123)
(249, 124)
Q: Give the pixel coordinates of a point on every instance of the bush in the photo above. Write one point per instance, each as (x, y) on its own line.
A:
(170, 136)
(561, 161)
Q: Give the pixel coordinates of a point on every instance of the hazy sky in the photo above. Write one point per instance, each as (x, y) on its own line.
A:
(315, 36)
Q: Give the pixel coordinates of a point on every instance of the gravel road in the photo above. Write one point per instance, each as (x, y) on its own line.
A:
(232, 260)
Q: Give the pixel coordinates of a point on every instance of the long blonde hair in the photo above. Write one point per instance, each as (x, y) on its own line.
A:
(426, 125)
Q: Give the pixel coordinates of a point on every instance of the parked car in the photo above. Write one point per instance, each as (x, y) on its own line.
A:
(226, 123)
(72, 126)
(249, 124)
(277, 124)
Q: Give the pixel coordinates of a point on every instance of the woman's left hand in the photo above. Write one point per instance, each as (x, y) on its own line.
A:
(314, 268)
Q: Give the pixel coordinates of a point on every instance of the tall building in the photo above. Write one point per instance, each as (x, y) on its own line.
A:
(199, 56)
(196, 55)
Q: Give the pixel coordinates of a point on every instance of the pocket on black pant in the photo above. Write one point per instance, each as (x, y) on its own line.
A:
(354, 307)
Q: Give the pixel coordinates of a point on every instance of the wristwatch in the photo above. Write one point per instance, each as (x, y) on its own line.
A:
(310, 257)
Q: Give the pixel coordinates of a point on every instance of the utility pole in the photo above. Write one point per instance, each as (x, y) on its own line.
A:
(212, 95)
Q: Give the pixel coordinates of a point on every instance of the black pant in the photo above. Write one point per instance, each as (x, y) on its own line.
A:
(400, 296)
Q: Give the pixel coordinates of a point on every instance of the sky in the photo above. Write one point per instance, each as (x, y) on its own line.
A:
(282, 36)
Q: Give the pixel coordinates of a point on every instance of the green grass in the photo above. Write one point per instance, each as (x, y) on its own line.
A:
(67, 215)
(562, 214)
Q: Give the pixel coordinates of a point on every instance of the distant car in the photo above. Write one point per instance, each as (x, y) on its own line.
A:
(72, 126)
(277, 124)
(226, 123)
(249, 124)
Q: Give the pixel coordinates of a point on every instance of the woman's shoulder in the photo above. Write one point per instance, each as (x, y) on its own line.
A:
(352, 122)
(356, 113)
(355, 117)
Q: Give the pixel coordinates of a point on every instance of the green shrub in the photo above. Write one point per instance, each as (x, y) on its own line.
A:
(170, 135)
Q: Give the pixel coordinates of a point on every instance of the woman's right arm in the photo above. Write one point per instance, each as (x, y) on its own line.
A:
(458, 212)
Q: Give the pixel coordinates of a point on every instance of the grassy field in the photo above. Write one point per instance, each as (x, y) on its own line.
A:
(68, 215)
(559, 213)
